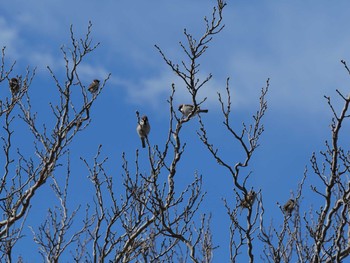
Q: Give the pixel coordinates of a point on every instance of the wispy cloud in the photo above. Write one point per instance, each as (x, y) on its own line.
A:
(90, 71)
(155, 91)
(298, 46)
(9, 37)
(278, 40)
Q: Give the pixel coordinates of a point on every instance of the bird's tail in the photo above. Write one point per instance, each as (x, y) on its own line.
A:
(143, 143)
(205, 111)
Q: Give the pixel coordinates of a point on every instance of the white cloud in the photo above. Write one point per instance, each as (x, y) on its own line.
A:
(8, 37)
(291, 43)
(147, 91)
(155, 91)
(43, 59)
(298, 46)
(91, 71)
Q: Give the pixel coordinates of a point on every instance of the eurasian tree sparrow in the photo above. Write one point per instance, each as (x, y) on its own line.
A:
(14, 85)
(93, 87)
(248, 200)
(289, 206)
(186, 109)
(143, 129)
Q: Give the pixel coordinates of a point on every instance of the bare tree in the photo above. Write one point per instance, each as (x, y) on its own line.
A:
(151, 221)
(52, 236)
(320, 234)
(11, 186)
(316, 236)
(248, 137)
(144, 215)
(24, 175)
(127, 228)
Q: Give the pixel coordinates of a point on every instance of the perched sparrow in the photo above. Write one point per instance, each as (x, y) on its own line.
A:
(248, 200)
(186, 109)
(14, 85)
(289, 206)
(94, 86)
(143, 129)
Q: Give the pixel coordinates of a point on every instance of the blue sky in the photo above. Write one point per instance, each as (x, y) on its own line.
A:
(297, 44)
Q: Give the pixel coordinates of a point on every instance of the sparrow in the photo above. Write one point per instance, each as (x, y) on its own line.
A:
(14, 85)
(289, 206)
(248, 200)
(93, 87)
(186, 109)
(143, 129)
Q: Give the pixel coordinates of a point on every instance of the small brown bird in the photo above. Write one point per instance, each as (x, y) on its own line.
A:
(14, 85)
(248, 200)
(289, 206)
(93, 87)
(186, 109)
(143, 128)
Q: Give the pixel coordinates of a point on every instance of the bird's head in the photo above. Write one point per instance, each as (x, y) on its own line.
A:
(14, 81)
(144, 119)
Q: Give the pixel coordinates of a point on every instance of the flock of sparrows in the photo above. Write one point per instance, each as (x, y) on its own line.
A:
(143, 128)
(15, 85)
(249, 199)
